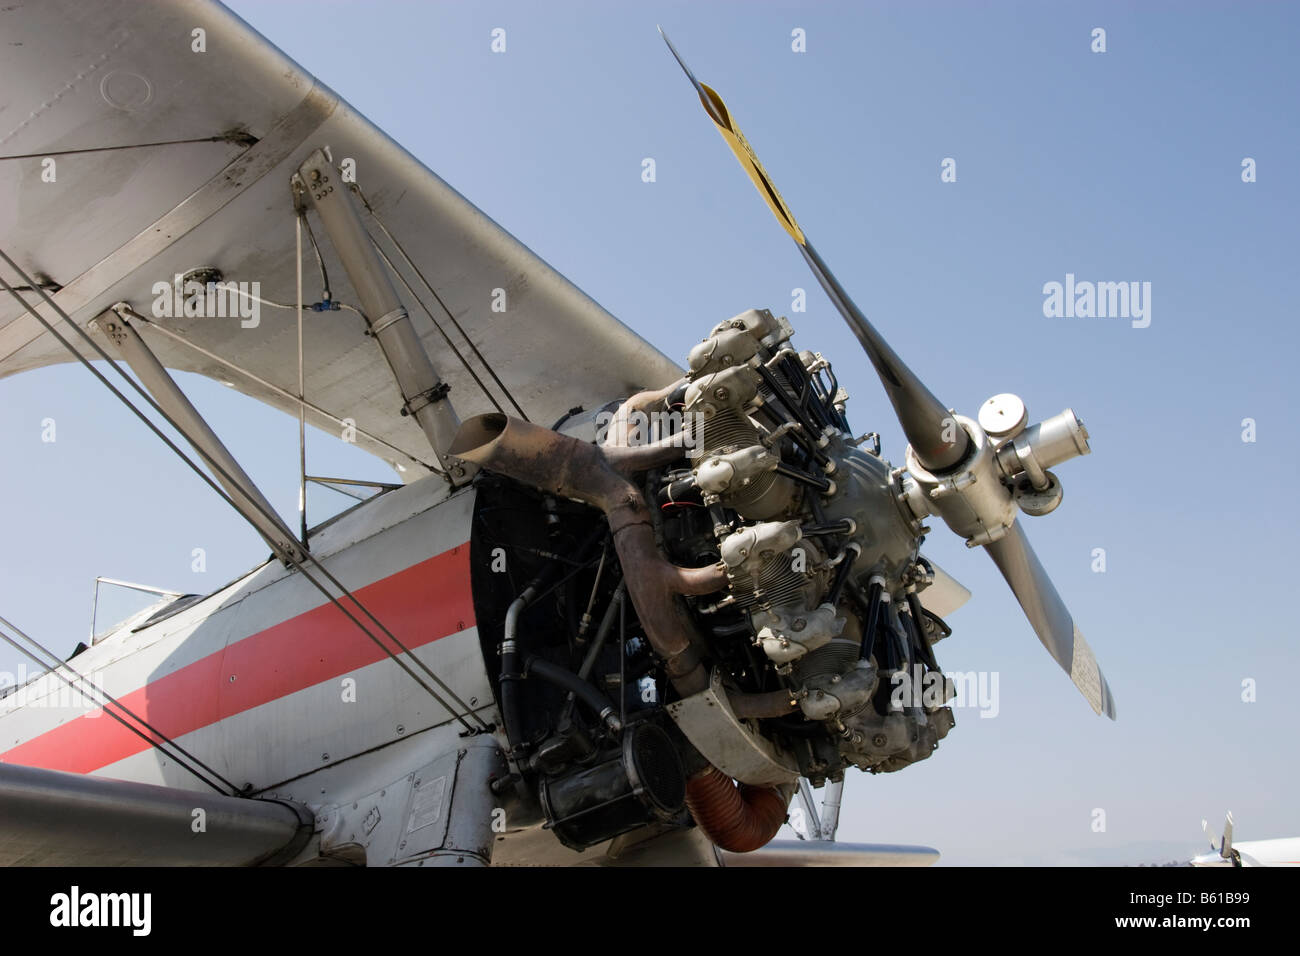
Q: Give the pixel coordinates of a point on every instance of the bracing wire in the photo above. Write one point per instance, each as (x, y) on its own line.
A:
(302, 395)
(283, 393)
(320, 260)
(287, 553)
(108, 699)
(411, 292)
(477, 381)
(437, 298)
(234, 137)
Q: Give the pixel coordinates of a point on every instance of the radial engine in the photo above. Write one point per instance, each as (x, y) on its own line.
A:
(714, 581)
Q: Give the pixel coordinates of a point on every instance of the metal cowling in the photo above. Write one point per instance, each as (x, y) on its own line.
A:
(736, 819)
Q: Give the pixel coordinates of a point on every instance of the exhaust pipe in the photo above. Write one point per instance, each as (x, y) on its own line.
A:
(738, 820)
(565, 466)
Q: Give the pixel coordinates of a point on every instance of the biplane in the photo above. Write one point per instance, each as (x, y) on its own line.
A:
(618, 610)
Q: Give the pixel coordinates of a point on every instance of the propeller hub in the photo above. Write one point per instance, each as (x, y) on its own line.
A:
(971, 499)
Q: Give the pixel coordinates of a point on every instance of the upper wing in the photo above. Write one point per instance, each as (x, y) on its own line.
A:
(106, 226)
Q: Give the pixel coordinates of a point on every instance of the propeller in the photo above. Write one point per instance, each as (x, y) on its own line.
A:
(926, 422)
(1050, 617)
(956, 470)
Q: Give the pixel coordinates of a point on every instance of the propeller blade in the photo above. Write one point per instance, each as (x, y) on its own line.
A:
(930, 428)
(1049, 616)
(1225, 850)
(936, 439)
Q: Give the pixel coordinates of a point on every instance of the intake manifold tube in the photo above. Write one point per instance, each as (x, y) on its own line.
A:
(625, 421)
(565, 466)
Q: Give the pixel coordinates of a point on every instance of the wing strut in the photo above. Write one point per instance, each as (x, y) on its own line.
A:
(424, 391)
(401, 251)
(291, 555)
(145, 322)
(244, 493)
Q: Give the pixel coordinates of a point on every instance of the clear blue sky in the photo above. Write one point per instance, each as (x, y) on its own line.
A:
(1115, 166)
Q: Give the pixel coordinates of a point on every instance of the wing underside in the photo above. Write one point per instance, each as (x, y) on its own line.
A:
(109, 225)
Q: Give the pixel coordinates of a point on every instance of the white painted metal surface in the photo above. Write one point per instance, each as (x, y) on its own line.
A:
(231, 637)
(122, 72)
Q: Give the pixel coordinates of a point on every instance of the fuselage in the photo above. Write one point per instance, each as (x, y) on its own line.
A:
(266, 680)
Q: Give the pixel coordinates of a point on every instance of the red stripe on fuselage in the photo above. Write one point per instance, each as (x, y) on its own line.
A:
(421, 604)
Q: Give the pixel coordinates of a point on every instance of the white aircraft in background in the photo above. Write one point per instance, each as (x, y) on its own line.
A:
(1280, 852)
